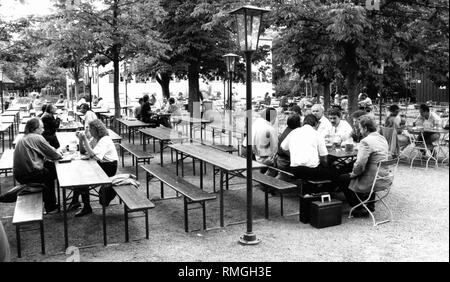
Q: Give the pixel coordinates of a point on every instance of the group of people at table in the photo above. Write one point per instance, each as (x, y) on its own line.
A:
(303, 147)
(36, 152)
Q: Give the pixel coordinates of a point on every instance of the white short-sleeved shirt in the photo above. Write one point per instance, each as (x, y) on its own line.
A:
(305, 145)
(105, 150)
(343, 130)
(324, 126)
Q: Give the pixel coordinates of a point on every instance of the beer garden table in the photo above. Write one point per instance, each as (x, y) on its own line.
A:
(3, 128)
(131, 125)
(227, 163)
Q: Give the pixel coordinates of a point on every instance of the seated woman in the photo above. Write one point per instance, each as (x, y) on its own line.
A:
(104, 152)
(29, 162)
(51, 124)
(395, 121)
(43, 108)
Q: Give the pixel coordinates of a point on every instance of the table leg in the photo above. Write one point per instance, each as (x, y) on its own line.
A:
(201, 174)
(176, 158)
(66, 235)
(161, 151)
(221, 200)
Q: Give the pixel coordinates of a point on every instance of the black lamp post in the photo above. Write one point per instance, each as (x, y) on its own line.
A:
(230, 61)
(89, 71)
(1, 85)
(248, 25)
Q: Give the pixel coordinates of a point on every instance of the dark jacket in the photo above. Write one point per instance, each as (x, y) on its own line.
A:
(50, 126)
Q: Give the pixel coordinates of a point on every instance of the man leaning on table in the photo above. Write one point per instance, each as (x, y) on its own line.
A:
(373, 148)
(428, 119)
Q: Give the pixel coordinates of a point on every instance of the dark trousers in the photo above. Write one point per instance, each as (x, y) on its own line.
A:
(350, 195)
(317, 173)
(47, 176)
(110, 168)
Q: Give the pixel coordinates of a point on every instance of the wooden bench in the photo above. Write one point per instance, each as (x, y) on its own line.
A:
(134, 201)
(274, 184)
(6, 163)
(29, 209)
(191, 193)
(138, 155)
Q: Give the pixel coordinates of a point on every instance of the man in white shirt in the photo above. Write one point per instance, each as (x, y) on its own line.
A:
(324, 124)
(308, 152)
(264, 137)
(339, 128)
(428, 119)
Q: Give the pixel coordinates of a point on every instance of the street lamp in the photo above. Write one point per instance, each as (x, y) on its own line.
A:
(1, 84)
(90, 70)
(248, 27)
(230, 61)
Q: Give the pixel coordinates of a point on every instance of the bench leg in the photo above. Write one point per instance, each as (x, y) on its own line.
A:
(126, 223)
(281, 204)
(201, 175)
(186, 222)
(136, 164)
(182, 165)
(227, 181)
(171, 154)
(146, 224)
(193, 165)
(266, 204)
(162, 190)
(176, 158)
(19, 249)
(42, 237)
(154, 145)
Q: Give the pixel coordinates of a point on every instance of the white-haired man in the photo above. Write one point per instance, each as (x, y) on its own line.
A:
(324, 124)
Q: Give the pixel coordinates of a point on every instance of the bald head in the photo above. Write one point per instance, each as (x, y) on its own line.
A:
(317, 110)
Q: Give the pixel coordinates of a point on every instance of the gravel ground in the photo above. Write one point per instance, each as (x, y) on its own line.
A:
(419, 232)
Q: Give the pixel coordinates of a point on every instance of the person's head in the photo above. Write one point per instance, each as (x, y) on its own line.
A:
(84, 108)
(270, 114)
(363, 96)
(296, 109)
(171, 101)
(424, 111)
(180, 94)
(367, 125)
(140, 101)
(43, 108)
(394, 110)
(145, 98)
(165, 100)
(50, 109)
(267, 94)
(37, 96)
(61, 96)
(293, 121)
(317, 110)
(97, 129)
(99, 99)
(334, 115)
(311, 120)
(34, 125)
(356, 116)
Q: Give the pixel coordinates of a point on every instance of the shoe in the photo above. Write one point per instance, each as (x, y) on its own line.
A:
(52, 210)
(84, 211)
(360, 213)
(73, 206)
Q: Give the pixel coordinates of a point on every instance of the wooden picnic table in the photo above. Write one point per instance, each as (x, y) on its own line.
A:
(222, 128)
(72, 126)
(4, 127)
(163, 134)
(79, 174)
(131, 125)
(187, 120)
(100, 110)
(227, 164)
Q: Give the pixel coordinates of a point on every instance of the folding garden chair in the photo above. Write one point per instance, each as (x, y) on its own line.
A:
(381, 187)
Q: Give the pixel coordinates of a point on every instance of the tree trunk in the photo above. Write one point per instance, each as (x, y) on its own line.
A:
(115, 53)
(351, 77)
(194, 89)
(326, 95)
(164, 80)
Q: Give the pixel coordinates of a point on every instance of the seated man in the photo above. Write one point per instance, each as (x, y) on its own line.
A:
(428, 119)
(340, 128)
(137, 110)
(308, 153)
(264, 137)
(373, 149)
(324, 125)
(356, 117)
(29, 162)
